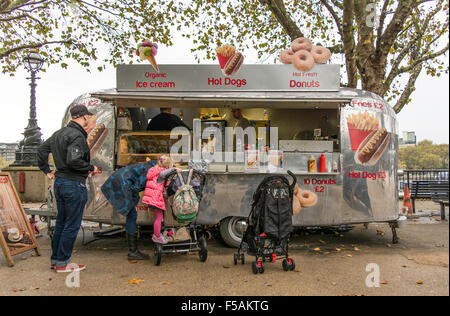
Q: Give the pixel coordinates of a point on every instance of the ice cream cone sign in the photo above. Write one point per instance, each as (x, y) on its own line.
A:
(147, 51)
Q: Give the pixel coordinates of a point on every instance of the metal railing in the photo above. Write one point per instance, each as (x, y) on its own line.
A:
(407, 176)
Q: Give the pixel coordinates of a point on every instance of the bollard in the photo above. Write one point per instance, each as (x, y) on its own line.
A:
(22, 182)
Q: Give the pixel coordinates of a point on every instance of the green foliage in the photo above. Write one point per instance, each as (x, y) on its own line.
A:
(411, 36)
(74, 29)
(385, 45)
(425, 155)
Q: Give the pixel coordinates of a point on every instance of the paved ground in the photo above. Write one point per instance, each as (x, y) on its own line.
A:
(337, 268)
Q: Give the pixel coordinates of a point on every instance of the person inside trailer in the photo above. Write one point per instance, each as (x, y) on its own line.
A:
(165, 121)
(241, 120)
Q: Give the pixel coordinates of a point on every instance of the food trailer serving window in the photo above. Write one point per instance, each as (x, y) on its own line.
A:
(136, 147)
(302, 133)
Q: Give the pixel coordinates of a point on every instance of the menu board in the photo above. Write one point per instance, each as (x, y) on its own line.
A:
(143, 78)
(16, 234)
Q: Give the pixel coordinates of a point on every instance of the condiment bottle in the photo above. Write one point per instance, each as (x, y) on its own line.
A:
(312, 165)
(322, 163)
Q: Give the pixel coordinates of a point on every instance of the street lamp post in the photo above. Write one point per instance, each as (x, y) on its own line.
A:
(26, 155)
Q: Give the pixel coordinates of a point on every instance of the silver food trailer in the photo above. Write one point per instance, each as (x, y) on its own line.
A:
(356, 131)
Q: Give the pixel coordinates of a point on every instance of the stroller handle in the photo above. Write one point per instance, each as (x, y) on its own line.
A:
(293, 177)
(195, 173)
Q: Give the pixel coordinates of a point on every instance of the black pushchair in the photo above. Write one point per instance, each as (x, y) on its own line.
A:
(269, 224)
(190, 241)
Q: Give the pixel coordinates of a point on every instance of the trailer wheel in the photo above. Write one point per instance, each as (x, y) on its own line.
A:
(232, 229)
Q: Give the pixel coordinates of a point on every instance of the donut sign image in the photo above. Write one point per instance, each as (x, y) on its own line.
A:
(230, 60)
(303, 199)
(303, 55)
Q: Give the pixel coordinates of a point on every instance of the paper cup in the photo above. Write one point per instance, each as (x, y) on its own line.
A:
(223, 60)
(357, 135)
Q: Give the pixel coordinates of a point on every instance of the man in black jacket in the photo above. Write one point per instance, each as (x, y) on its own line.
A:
(72, 160)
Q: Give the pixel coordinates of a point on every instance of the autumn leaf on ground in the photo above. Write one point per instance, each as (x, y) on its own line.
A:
(338, 249)
(350, 256)
(322, 242)
(316, 249)
(226, 267)
(326, 253)
(384, 282)
(419, 282)
(380, 232)
(166, 283)
(356, 249)
(297, 270)
(334, 284)
(132, 261)
(135, 281)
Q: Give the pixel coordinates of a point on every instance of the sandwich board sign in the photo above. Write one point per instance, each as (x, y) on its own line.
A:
(16, 233)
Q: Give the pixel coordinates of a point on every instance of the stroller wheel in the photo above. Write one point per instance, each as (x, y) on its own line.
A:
(158, 251)
(203, 254)
(292, 264)
(261, 268)
(286, 265)
(236, 258)
(242, 259)
(255, 267)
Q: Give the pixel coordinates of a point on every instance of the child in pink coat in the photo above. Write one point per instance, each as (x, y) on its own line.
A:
(153, 194)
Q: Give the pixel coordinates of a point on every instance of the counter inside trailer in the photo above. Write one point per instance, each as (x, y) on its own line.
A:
(274, 139)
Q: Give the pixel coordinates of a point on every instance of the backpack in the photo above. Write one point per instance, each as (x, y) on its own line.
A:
(185, 201)
(272, 207)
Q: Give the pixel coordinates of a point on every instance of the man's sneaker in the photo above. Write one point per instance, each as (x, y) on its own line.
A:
(72, 267)
(159, 240)
(53, 266)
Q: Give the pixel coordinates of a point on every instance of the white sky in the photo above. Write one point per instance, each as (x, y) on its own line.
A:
(427, 115)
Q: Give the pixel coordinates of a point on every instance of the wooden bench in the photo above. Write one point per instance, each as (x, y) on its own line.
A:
(442, 199)
(436, 191)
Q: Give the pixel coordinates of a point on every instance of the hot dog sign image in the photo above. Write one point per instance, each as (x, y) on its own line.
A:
(230, 61)
(368, 140)
(98, 129)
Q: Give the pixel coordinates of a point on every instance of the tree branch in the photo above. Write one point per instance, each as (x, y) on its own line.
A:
(19, 4)
(333, 13)
(424, 59)
(278, 8)
(381, 24)
(348, 38)
(31, 46)
(408, 90)
(389, 36)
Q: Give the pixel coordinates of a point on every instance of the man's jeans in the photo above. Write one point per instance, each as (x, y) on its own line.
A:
(71, 197)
